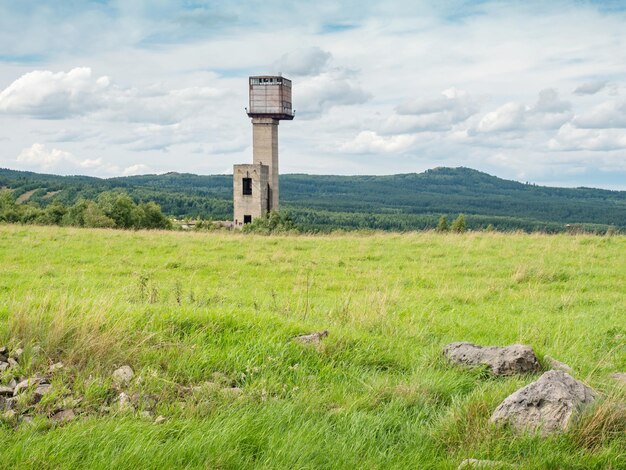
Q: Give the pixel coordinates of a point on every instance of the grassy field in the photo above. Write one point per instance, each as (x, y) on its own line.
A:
(187, 309)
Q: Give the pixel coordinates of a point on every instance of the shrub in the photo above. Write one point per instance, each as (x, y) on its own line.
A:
(273, 222)
(442, 226)
(458, 225)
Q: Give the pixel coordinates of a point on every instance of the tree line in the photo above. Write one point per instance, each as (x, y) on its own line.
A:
(110, 209)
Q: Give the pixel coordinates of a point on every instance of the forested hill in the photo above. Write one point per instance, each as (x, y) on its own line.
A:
(407, 201)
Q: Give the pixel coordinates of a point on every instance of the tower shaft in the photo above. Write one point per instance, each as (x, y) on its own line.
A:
(265, 152)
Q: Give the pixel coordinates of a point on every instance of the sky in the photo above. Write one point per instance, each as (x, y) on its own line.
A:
(530, 91)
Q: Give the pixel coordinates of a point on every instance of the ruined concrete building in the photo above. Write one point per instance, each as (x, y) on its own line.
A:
(255, 186)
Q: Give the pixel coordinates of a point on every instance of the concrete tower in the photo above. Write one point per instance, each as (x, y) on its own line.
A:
(255, 186)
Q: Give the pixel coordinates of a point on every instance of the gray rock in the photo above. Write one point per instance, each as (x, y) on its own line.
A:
(6, 391)
(558, 365)
(55, 367)
(3, 358)
(26, 383)
(476, 463)
(12, 362)
(40, 391)
(509, 360)
(4, 366)
(4, 350)
(17, 354)
(160, 419)
(12, 383)
(546, 405)
(313, 338)
(123, 375)
(619, 376)
(63, 416)
(124, 402)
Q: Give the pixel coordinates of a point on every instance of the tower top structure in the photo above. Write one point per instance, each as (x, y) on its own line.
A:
(270, 97)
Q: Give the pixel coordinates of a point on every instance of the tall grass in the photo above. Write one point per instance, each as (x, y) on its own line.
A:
(206, 321)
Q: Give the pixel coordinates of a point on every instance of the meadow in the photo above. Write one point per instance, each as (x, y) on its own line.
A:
(206, 321)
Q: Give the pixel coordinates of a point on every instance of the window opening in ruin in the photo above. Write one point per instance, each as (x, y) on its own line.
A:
(247, 219)
(269, 198)
(247, 186)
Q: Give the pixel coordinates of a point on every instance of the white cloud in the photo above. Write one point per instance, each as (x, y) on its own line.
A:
(38, 156)
(610, 114)
(439, 114)
(570, 137)
(303, 62)
(139, 169)
(371, 142)
(49, 95)
(318, 94)
(549, 112)
(590, 88)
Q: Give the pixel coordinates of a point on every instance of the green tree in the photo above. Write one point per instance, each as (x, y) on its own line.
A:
(442, 226)
(119, 207)
(458, 225)
(150, 216)
(8, 208)
(94, 216)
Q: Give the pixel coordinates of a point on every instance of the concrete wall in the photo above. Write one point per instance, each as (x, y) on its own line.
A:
(265, 151)
(255, 204)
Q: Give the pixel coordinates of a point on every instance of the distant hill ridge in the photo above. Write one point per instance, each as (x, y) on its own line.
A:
(399, 202)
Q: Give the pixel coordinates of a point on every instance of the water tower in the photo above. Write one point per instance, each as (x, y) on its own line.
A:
(255, 186)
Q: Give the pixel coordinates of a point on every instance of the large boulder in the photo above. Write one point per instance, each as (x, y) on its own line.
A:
(546, 405)
(508, 360)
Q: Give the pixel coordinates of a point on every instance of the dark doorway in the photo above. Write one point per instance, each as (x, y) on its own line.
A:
(247, 219)
(269, 198)
(247, 186)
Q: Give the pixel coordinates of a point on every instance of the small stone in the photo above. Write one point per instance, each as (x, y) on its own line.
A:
(619, 376)
(547, 405)
(160, 420)
(64, 416)
(12, 362)
(476, 463)
(313, 338)
(55, 367)
(26, 383)
(12, 383)
(6, 391)
(558, 365)
(123, 375)
(124, 402)
(4, 350)
(509, 360)
(235, 391)
(27, 419)
(3, 358)
(17, 354)
(4, 366)
(40, 391)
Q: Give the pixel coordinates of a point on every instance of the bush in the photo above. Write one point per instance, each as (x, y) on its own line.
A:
(273, 222)
(442, 226)
(458, 225)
